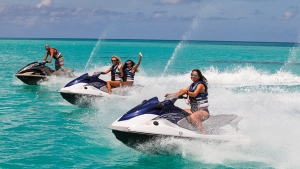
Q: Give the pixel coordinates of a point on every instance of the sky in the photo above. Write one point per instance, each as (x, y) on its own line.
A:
(213, 20)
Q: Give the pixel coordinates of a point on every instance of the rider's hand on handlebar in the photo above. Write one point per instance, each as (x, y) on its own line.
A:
(182, 91)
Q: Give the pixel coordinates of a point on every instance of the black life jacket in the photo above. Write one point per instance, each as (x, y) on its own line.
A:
(115, 74)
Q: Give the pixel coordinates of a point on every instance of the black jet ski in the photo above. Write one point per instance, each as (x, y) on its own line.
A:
(36, 72)
(152, 121)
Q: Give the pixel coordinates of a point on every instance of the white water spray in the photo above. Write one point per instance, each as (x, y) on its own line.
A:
(110, 27)
(293, 55)
(187, 35)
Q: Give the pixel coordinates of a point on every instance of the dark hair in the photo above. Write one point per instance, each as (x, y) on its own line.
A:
(202, 78)
(125, 64)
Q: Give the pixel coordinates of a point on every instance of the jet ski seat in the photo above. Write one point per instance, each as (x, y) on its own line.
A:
(212, 123)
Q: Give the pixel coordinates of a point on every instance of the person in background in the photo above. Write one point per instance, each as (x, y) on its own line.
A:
(116, 73)
(59, 59)
(129, 70)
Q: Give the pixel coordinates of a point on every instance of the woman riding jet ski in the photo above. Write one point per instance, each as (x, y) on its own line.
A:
(121, 77)
(197, 93)
(152, 119)
(84, 89)
(35, 72)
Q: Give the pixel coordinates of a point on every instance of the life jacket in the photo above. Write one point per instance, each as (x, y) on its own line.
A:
(128, 76)
(201, 99)
(56, 55)
(115, 74)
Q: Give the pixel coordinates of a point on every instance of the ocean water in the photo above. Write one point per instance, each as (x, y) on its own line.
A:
(258, 81)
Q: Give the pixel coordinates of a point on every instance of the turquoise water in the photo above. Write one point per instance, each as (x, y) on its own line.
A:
(258, 81)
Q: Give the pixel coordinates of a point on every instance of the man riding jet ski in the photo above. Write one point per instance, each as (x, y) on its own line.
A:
(153, 120)
(84, 89)
(36, 72)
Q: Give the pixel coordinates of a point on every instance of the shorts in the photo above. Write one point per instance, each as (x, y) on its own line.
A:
(194, 108)
(59, 63)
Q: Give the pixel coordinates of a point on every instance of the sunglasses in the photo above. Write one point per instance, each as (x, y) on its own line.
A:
(113, 60)
(128, 62)
(194, 75)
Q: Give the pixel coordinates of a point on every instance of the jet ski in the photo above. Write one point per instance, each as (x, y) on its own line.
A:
(152, 121)
(36, 72)
(83, 90)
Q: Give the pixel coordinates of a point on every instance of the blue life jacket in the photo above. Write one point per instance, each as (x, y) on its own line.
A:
(201, 99)
(129, 75)
(193, 88)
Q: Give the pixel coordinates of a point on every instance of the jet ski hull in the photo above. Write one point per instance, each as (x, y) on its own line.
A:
(82, 100)
(150, 143)
(132, 139)
(31, 80)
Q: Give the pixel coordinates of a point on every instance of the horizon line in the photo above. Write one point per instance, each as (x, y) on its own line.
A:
(149, 40)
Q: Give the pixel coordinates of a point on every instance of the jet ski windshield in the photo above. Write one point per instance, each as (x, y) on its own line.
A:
(28, 67)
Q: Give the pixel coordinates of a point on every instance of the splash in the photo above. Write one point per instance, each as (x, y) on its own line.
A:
(262, 98)
(110, 27)
(267, 102)
(187, 35)
(293, 54)
(173, 56)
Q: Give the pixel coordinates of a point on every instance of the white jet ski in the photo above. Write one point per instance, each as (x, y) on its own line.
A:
(83, 90)
(153, 120)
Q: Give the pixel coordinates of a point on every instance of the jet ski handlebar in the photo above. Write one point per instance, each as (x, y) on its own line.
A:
(182, 97)
(173, 97)
(43, 63)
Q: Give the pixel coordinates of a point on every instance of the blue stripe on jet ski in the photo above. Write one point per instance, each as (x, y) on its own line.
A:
(81, 79)
(93, 80)
(144, 108)
(170, 112)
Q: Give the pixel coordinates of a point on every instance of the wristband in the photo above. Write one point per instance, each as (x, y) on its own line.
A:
(187, 92)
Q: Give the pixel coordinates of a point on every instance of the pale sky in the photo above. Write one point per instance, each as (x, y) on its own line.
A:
(216, 20)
